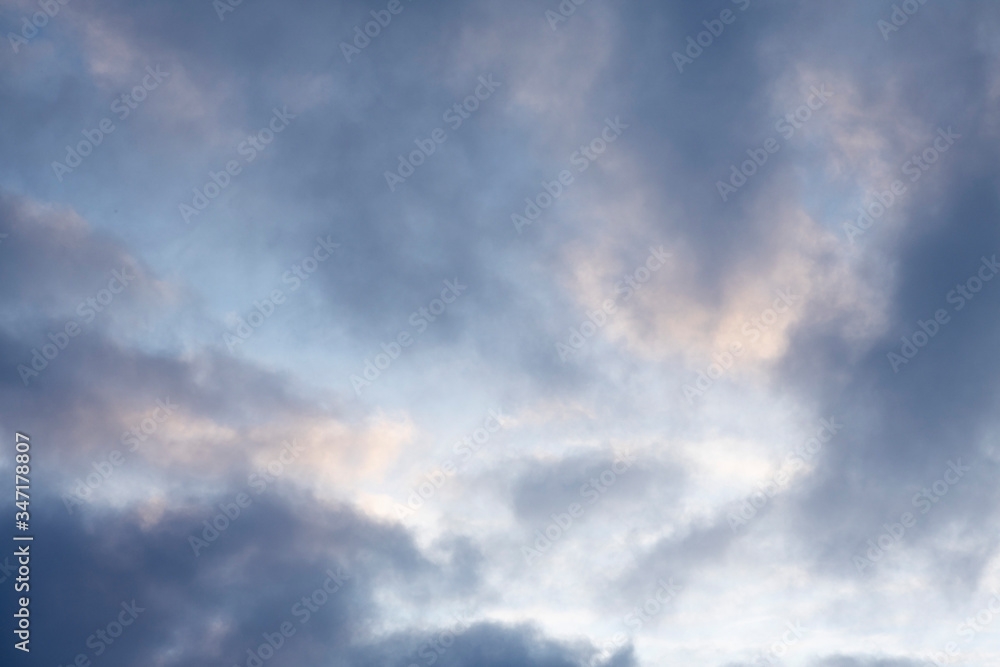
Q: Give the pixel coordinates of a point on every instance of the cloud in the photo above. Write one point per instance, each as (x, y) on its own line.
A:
(817, 308)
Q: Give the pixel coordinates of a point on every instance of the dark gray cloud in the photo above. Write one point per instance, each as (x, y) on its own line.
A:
(200, 611)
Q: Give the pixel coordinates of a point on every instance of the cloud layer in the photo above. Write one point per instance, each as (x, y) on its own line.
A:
(559, 334)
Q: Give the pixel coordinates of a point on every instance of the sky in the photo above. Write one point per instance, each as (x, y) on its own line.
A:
(541, 334)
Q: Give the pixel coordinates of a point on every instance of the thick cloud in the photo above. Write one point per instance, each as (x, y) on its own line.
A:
(640, 230)
(322, 573)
